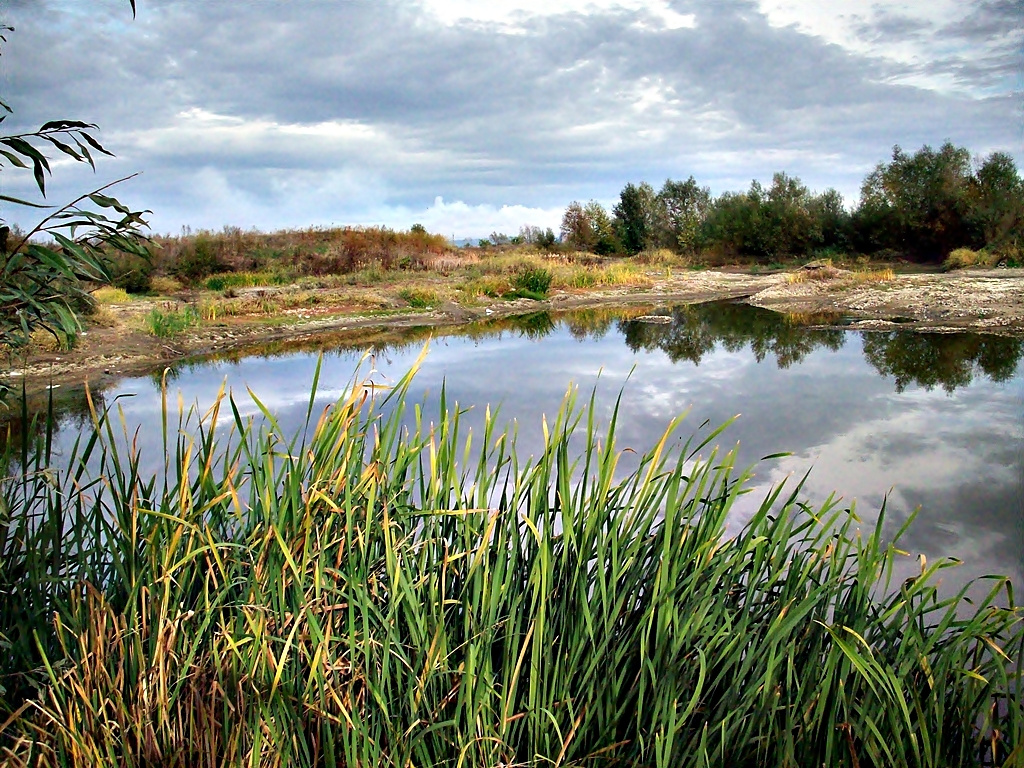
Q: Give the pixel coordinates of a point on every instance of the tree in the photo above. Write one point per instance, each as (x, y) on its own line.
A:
(602, 229)
(832, 220)
(636, 217)
(790, 227)
(996, 202)
(576, 228)
(44, 285)
(917, 203)
(686, 208)
(547, 239)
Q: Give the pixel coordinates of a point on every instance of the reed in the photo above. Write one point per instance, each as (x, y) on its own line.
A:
(377, 590)
(170, 322)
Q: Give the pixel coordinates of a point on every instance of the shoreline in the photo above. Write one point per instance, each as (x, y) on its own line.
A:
(983, 301)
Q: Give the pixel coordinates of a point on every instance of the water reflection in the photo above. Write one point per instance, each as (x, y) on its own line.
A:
(949, 360)
(697, 330)
(921, 419)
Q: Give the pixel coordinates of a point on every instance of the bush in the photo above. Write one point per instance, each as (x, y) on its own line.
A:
(532, 282)
(165, 286)
(131, 273)
(199, 259)
(962, 258)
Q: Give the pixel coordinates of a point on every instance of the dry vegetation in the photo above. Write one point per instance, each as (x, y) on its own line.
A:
(218, 277)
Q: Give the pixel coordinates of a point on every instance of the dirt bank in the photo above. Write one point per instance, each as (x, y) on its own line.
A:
(990, 301)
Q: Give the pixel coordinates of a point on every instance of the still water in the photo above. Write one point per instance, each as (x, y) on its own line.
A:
(929, 420)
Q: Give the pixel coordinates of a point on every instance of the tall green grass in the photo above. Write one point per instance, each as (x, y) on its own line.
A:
(168, 323)
(382, 591)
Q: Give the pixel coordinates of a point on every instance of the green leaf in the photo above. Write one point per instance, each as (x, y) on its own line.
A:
(103, 201)
(18, 201)
(65, 125)
(15, 160)
(64, 148)
(22, 147)
(95, 144)
(86, 154)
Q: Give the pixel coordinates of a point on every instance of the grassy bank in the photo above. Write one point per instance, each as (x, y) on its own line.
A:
(369, 593)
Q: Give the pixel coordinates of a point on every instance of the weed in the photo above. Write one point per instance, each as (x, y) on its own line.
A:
(532, 282)
(419, 298)
(873, 275)
(111, 295)
(172, 322)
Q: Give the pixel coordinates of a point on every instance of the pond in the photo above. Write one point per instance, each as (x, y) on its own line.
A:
(908, 419)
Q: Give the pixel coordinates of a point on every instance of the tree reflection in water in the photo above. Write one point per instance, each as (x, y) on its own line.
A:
(949, 360)
(696, 330)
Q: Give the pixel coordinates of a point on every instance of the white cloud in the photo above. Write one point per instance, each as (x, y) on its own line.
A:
(913, 38)
(460, 219)
(299, 114)
(509, 12)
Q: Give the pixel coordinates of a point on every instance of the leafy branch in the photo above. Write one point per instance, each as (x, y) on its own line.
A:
(43, 285)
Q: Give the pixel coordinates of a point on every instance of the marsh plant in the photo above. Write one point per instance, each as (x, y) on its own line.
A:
(532, 282)
(167, 323)
(378, 590)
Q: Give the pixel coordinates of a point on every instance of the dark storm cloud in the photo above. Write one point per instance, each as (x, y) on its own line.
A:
(562, 106)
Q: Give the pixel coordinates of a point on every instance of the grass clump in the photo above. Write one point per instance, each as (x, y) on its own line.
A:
(231, 280)
(376, 590)
(419, 298)
(491, 286)
(531, 282)
(882, 275)
(963, 258)
(819, 270)
(167, 323)
(108, 294)
(661, 257)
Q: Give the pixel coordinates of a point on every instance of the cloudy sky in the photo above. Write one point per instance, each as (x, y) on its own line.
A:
(473, 116)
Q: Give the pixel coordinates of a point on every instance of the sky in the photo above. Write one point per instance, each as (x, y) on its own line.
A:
(475, 117)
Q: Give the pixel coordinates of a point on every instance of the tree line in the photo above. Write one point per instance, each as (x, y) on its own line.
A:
(920, 206)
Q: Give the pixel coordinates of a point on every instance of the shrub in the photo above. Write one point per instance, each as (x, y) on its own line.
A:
(532, 282)
(199, 259)
(133, 274)
(962, 258)
(165, 286)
